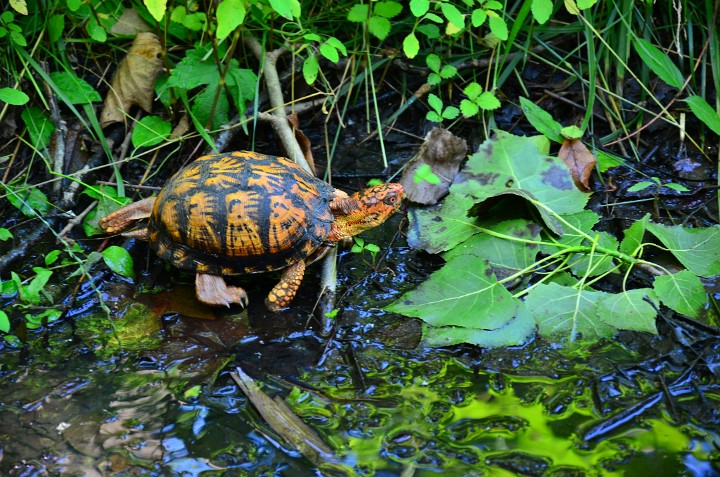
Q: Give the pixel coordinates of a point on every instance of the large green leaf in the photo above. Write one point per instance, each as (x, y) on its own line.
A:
(514, 253)
(697, 249)
(463, 293)
(630, 310)
(515, 332)
(682, 291)
(505, 166)
(560, 311)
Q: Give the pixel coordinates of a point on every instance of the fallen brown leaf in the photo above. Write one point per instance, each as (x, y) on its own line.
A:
(579, 160)
(443, 152)
(180, 299)
(130, 23)
(302, 140)
(134, 81)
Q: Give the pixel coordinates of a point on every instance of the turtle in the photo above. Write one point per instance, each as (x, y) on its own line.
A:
(243, 212)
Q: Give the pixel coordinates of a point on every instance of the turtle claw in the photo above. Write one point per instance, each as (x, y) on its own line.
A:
(212, 290)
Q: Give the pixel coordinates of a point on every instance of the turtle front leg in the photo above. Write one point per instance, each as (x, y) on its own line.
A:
(212, 290)
(124, 216)
(284, 292)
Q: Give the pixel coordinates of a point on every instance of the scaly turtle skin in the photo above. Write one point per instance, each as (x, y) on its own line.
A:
(242, 212)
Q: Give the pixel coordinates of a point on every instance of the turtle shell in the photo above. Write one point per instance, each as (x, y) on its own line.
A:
(240, 212)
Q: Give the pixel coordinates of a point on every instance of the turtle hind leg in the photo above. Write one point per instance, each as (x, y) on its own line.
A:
(284, 292)
(212, 290)
(124, 216)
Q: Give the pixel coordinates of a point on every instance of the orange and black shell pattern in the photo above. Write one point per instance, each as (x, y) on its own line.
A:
(240, 212)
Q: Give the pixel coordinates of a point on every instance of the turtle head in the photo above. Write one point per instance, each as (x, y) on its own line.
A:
(366, 209)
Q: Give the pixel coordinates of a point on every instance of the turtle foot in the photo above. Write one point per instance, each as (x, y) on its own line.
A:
(212, 290)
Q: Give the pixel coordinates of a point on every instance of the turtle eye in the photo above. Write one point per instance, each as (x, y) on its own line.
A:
(391, 199)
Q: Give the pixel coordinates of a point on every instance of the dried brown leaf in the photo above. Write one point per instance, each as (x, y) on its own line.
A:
(302, 141)
(443, 152)
(134, 81)
(181, 299)
(130, 23)
(579, 160)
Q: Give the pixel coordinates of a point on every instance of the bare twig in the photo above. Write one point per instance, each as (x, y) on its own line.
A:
(60, 135)
(278, 120)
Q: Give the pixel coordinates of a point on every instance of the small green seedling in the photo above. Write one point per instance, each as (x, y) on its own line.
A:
(360, 246)
(424, 173)
(655, 182)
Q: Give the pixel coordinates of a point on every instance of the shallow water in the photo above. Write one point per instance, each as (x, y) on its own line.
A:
(165, 404)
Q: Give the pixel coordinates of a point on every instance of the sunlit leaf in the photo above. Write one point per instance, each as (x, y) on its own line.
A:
(541, 10)
(30, 293)
(411, 46)
(119, 261)
(4, 322)
(387, 9)
(504, 166)
(451, 112)
(488, 101)
(231, 14)
(52, 257)
(452, 14)
(96, 31)
(329, 52)
(285, 8)
(379, 27)
(498, 27)
(5, 234)
(468, 108)
(633, 236)
(150, 131)
(419, 7)
(511, 254)
(19, 6)
(433, 62)
(478, 17)
(358, 13)
(13, 96)
(155, 7)
(682, 291)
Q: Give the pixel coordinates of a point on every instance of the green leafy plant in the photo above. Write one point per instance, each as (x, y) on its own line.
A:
(376, 16)
(477, 100)
(439, 112)
(359, 246)
(424, 173)
(439, 71)
(557, 250)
